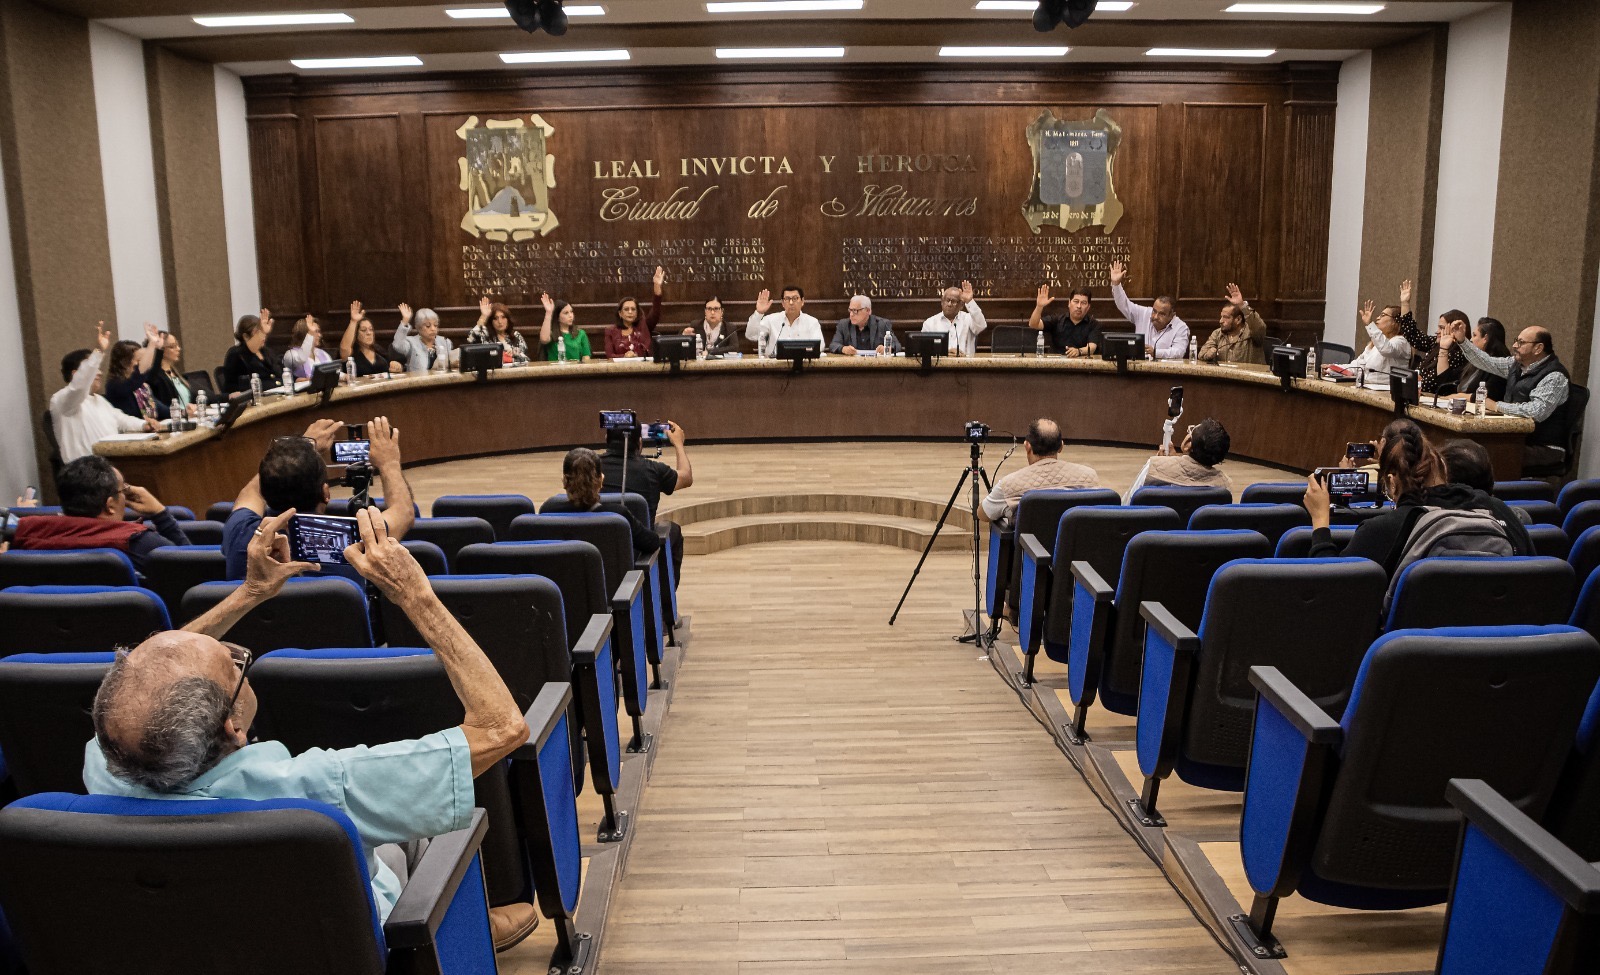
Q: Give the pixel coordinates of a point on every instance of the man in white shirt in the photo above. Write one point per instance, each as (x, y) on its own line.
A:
(792, 323)
(1166, 336)
(960, 318)
(79, 413)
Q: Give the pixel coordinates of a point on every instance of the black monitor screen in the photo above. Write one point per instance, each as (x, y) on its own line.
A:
(926, 344)
(674, 348)
(1122, 346)
(799, 348)
(1403, 388)
(1288, 362)
(481, 357)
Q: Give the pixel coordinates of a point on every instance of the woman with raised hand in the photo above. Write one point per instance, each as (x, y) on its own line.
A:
(360, 342)
(247, 358)
(495, 325)
(132, 367)
(630, 337)
(561, 326)
(167, 382)
(305, 348)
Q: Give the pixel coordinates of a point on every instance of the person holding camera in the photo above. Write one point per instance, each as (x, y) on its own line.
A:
(1193, 465)
(1045, 470)
(293, 475)
(649, 478)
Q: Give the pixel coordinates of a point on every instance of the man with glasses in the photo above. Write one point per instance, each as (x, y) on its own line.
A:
(960, 318)
(1387, 349)
(1537, 386)
(792, 323)
(94, 498)
(719, 339)
(293, 475)
(173, 715)
(863, 331)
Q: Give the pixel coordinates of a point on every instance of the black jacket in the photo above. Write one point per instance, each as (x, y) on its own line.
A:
(1382, 539)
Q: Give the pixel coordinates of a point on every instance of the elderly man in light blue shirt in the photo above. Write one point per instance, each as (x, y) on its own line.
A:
(172, 716)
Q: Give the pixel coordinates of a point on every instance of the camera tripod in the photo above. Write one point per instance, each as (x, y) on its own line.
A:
(973, 474)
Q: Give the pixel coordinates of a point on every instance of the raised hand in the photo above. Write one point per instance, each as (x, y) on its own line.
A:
(966, 292)
(323, 433)
(1367, 310)
(152, 335)
(1043, 297)
(141, 500)
(266, 319)
(268, 563)
(385, 450)
(405, 313)
(383, 561)
(102, 339)
(764, 301)
(356, 313)
(1118, 272)
(1405, 292)
(660, 276)
(548, 302)
(485, 307)
(1235, 295)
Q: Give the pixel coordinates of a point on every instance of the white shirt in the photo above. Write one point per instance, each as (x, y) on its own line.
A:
(1385, 354)
(81, 417)
(765, 332)
(1171, 342)
(963, 329)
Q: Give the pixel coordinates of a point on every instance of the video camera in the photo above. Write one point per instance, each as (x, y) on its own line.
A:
(977, 431)
(625, 423)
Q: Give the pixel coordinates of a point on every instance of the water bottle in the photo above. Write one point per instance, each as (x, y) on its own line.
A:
(175, 413)
(1194, 349)
(1311, 363)
(1361, 377)
(200, 407)
(288, 380)
(1480, 399)
(561, 350)
(1038, 345)
(255, 389)
(699, 346)
(350, 369)
(761, 347)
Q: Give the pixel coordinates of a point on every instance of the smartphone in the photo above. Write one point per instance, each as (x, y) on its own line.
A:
(351, 451)
(619, 420)
(31, 493)
(8, 524)
(655, 434)
(1175, 401)
(321, 538)
(1345, 483)
(1359, 451)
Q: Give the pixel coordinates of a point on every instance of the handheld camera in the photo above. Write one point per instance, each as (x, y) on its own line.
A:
(1344, 485)
(1360, 451)
(321, 538)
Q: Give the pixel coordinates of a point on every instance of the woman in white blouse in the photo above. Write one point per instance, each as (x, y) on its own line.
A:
(1388, 349)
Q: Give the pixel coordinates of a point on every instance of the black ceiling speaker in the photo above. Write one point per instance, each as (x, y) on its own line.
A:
(1053, 12)
(525, 13)
(1077, 12)
(554, 19)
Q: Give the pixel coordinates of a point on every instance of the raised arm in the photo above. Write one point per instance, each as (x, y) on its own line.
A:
(268, 567)
(144, 361)
(1498, 366)
(1040, 302)
(1389, 345)
(347, 341)
(545, 331)
(979, 323)
(681, 457)
(1137, 314)
(493, 725)
(385, 456)
(83, 380)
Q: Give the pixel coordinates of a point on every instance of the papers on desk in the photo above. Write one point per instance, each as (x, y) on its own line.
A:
(300, 386)
(127, 437)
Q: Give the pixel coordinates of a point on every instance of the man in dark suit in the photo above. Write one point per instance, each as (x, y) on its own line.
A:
(719, 337)
(863, 331)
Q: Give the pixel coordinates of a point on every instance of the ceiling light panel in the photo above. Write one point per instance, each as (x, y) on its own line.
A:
(1036, 51)
(273, 20)
(402, 61)
(779, 6)
(500, 13)
(564, 57)
(1204, 52)
(757, 53)
(1308, 9)
(1028, 6)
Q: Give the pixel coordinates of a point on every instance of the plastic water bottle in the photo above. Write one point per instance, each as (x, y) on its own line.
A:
(1480, 399)
(561, 350)
(288, 380)
(200, 407)
(699, 346)
(1194, 348)
(255, 388)
(175, 413)
(1038, 345)
(350, 369)
(761, 348)
(1311, 363)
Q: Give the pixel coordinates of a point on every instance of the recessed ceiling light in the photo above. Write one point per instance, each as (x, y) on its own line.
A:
(1003, 52)
(1350, 9)
(567, 57)
(1202, 52)
(403, 61)
(273, 20)
(500, 13)
(778, 6)
(1103, 7)
(779, 52)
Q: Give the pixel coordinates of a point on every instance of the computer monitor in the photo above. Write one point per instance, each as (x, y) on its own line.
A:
(325, 379)
(237, 404)
(799, 350)
(928, 346)
(1288, 363)
(1122, 348)
(675, 350)
(482, 357)
(1403, 389)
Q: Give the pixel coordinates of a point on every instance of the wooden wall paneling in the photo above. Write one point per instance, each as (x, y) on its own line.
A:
(362, 206)
(276, 198)
(316, 278)
(1220, 216)
(417, 237)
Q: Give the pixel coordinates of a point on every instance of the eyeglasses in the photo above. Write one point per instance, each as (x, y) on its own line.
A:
(242, 659)
(1519, 342)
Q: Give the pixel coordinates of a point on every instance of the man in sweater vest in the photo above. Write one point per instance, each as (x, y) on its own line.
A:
(1536, 387)
(93, 499)
(1045, 470)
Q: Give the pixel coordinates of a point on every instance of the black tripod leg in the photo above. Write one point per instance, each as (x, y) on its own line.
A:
(929, 547)
(983, 640)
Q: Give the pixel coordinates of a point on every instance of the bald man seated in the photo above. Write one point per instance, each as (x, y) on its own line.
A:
(1045, 470)
(173, 715)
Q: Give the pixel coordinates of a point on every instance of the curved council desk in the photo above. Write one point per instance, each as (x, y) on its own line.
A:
(451, 416)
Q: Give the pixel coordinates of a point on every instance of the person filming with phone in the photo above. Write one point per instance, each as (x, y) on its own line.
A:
(294, 474)
(1193, 464)
(649, 478)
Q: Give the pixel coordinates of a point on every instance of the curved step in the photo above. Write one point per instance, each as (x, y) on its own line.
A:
(720, 534)
(865, 504)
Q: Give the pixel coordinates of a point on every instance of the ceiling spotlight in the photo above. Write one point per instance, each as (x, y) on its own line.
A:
(535, 15)
(1052, 12)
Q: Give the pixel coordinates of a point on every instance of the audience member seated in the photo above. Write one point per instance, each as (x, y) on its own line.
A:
(1195, 464)
(495, 325)
(1439, 359)
(1387, 349)
(1239, 334)
(862, 331)
(719, 338)
(94, 498)
(651, 479)
(425, 351)
(360, 342)
(582, 480)
(167, 382)
(249, 357)
(574, 338)
(130, 372)
(173, 715)
(1413, 475)
(293, 475)
(1489, 337)
(960, 318)
(305, 348)
(79, 414)
(1467, 462)
(1536, 387)
(792, 323)
(1045, 469)
(1166, 335)
(1074, 334)
(630, 337)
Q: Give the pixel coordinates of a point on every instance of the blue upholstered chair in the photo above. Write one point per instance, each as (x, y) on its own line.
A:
(309, 611)
(1574, 493)
(1539, 512)
(341, 507)
(574, 567)
(151, 869)
(451, 534)
(219, 511)
(1352, 813)
(1521, 902)
(1296, 542)
(1184, 500)
(1270, 519)
(75, 567)
(1524, 491)
(1275, 492)
(69, 619)
(428, 555)
(1585, 555)
(1532, 590)
(45, 700)
(1039, 513)
(173, 570)
(1580, 518)
(204, 532)
(551, 822)
(499, 510)
(1550, 540)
